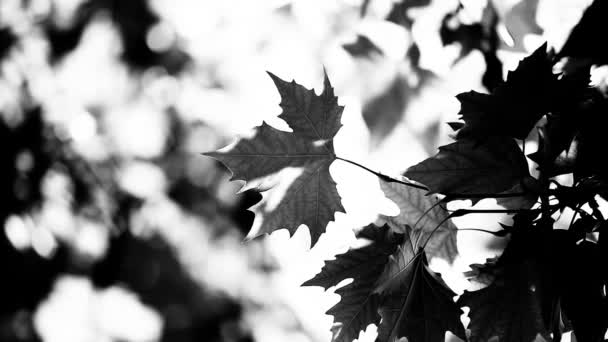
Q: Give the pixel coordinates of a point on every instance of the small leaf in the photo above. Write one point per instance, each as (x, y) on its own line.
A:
(421, 212)
(269, 159)
(358, 306)
(468, 167)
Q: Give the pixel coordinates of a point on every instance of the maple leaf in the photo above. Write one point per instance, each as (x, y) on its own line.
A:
(421, 212)
(416, 303)
(264, 161)
(467, 167)
(358, 306)
(514, 106)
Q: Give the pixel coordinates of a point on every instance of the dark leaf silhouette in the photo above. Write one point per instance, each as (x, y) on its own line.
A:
(311, 198)
(584, 299)
(579, 45)
(469, 167)
(511, 306)
(514, 106)
(524, 294)
(590, 141)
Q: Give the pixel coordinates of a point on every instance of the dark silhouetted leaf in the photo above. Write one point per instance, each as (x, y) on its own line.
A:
(467, 167)
(513, 107)
(522, 301)
(579, 45)
(272, 156)
(584, 299)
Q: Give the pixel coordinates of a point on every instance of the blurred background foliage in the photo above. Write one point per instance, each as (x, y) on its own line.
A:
(114, 228)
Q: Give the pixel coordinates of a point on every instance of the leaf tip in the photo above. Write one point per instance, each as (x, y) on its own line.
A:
(276, 79)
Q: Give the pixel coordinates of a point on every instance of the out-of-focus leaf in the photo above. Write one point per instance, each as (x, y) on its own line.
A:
(421, 212)
(520, 20)
(467, 167)
(399, 12)
(362, 47)
(7, 41)
(312, 198)
(358, 306)
(481, 36)
(383, 113)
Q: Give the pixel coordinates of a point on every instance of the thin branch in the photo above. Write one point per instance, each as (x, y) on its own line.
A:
(449, 197)
(382, 176)
(499, 233)
(462, 212)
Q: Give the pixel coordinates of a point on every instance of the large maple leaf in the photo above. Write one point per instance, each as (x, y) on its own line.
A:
(467, 167)
(421, 212)
(416, 303)
(269, 160)
(358, 306)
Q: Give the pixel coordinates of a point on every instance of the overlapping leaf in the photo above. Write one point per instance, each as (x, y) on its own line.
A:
(522, 301)
(513, 107)
(416, 303)
(510, 308)
(467, 167)
(358, 306)
(422, 212)
(264, 162)
(584, 300)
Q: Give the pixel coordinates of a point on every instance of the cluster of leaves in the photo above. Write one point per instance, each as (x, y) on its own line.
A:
(546, 282)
